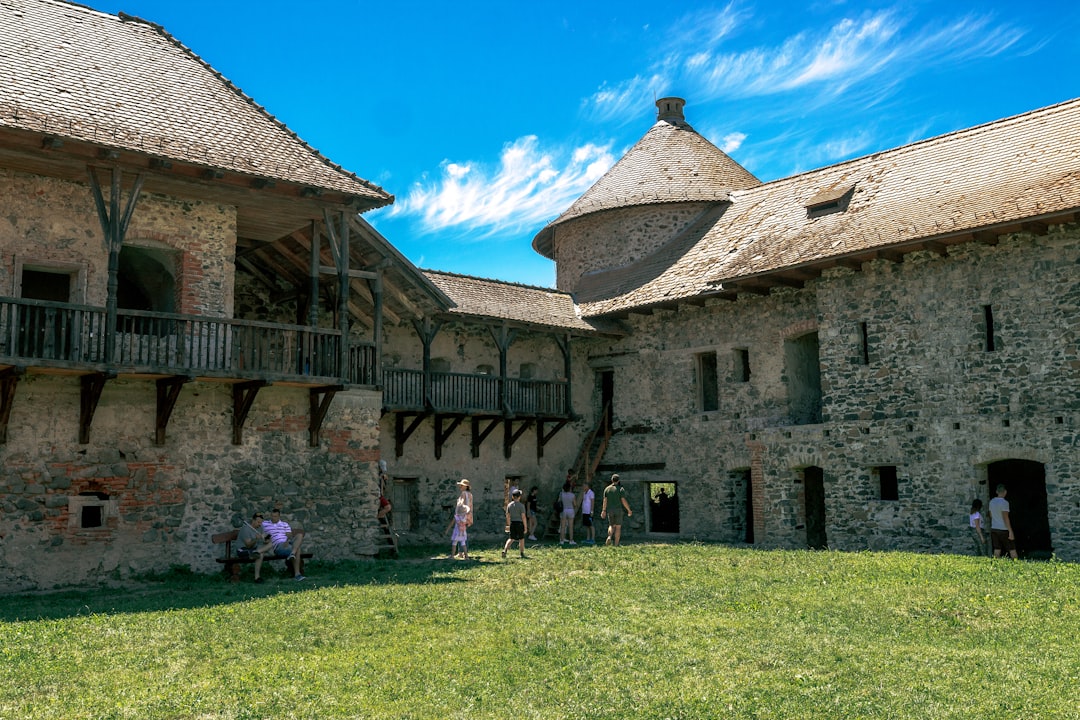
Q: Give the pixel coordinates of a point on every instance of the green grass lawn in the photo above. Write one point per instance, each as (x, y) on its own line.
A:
(641, 631)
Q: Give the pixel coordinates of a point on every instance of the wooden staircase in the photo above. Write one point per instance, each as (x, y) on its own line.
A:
(584, 468)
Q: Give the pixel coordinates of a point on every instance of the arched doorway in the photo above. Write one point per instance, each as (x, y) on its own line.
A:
(1025, 483)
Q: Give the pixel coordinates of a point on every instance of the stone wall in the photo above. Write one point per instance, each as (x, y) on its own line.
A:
(163, 503)
(614, 238)
(932, 401)
(49, 222)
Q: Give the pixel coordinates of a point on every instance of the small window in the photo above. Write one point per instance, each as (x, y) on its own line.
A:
(864, 344)
(742, 365)
(90, 510)
(830, 200)
(527, 371)
(485, 369)
(990, 343)
(708, 398)
(440, 365)
(888, 487)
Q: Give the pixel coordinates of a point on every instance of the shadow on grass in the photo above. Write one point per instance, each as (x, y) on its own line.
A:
(179, 588)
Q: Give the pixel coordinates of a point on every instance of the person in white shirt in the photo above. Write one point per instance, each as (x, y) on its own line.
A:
(588, 498)
(286, 541)
(1001, 531)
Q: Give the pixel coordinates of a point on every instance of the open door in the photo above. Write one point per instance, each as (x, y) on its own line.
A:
(814, 484)
(1025, 481)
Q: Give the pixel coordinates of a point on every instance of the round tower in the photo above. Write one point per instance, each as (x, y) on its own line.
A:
(655, 192)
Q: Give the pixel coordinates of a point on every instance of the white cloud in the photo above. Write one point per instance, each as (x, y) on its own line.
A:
(731, 142)
(529, 186)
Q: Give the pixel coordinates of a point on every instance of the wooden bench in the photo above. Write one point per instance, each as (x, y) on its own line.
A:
(232, 562)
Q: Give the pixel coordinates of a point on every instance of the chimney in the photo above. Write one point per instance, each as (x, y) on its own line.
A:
(670, 109)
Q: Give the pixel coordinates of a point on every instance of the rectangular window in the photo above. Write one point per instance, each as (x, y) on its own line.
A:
(742, 365)
(708, 398)
(888, 487)
(988, 324)
(864, 344)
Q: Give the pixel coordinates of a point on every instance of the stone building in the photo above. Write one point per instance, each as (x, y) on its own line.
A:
(196, 321)
(847, 357)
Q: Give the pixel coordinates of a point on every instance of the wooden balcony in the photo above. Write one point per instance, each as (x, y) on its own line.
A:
(449, 393)
(63, 337)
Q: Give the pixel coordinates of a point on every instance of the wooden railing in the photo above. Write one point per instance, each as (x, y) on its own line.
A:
(40, 333)
(404, 389)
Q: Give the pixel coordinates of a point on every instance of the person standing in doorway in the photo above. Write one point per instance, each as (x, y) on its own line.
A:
(1001, 530)
(975, 524)
(515, 523)
(588, 499)
(612, 509)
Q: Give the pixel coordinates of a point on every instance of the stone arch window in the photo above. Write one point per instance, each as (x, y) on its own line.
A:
(147, 279)
(485, 369)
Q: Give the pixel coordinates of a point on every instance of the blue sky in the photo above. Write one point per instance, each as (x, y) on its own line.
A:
(487, 119)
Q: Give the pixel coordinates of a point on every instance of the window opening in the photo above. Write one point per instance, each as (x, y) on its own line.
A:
(988, 324)
(663, 507)
(708, 396)
(802, 361)
(742, 365)
(864, 344)
(888, 485)
(527, 371)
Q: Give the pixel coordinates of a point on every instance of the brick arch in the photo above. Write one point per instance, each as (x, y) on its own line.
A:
(799, 328)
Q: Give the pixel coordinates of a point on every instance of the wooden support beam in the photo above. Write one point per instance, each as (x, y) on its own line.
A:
(9, 378)
(441, 435)
(543, 438)
(168, 391)
(480, 434)
(510, 436)
(91, 387)
(319, 400)
(243, 396)
(402, 433)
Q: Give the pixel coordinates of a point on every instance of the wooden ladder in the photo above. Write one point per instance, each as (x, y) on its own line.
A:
(388, 539)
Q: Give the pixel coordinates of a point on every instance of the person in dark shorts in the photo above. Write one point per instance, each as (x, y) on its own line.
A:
(1002, 538)
(515, 523)
(612, 509)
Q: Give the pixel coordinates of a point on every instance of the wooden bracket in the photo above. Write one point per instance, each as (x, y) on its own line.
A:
(92, 385)
(479, 435)
(243, 396)
(510, 436)
(543, 438)
(9, 378)
(441, 436)
(401, 433)
(320, 399)
(168, 390)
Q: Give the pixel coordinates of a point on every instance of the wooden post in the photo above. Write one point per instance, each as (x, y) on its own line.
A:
(343, 296)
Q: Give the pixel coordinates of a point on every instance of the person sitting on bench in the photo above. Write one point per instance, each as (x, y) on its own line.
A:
(253, 542)
(286, 543)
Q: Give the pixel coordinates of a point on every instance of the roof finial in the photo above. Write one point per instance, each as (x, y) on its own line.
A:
(671, 110)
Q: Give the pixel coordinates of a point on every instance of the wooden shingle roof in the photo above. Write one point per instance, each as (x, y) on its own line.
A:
(1003, 176)
(125, 83)
(480, 298)
(671, 163)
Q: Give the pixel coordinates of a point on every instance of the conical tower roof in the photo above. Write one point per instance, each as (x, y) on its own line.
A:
(672, 163)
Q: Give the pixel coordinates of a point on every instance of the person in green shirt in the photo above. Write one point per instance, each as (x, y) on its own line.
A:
(614, 504)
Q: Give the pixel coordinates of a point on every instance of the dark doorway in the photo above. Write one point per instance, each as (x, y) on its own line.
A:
(748, 499)
(803, 366)
(1025, 483)
(663, 507)
(45, 332)
(814, 485)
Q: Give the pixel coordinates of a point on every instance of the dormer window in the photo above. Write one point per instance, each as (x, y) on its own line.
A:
(831, 200)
